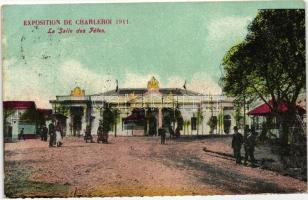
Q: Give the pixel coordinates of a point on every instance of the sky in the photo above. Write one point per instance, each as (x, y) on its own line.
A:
(175, 42)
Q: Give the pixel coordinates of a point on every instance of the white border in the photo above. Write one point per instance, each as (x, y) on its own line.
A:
(303, 196)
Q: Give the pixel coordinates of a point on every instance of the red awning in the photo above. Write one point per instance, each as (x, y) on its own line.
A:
(264, 109)
(18, 104)
(137, 115)
(133, 116)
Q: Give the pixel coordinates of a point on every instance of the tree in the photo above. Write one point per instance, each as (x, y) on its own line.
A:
(7, 112)
(212, 123)
(32, 115)
(62, 109)
(108, 119)
(270, 63)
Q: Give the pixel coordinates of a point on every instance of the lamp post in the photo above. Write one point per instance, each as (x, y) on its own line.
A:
(126, 125)
(173, 109)
(244, 111)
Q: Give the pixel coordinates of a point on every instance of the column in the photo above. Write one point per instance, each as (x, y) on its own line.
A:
(148, 126)
(68, 124)
(95, 123)
(84, 121)
(160, 118)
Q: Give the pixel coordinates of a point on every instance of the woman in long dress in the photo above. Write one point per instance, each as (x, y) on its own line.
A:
(58, 136)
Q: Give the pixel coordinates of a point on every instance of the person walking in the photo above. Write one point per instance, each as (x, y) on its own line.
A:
(171, 132)
(88, 135)
(246, 133)
(162, 133)
(58, 135)
(237, 141)
(21, 134)
(51, 131)
(45, 132)
(41, 132)
(177, 132)
(106, 128)
(250, 144)
(100, 132)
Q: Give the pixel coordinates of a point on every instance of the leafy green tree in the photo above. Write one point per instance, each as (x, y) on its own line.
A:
(7, 112)
(212, 123)
(32, 115)
(62, 109)
(199, 117)
(270, 63)
(186, 124)
(108, 119)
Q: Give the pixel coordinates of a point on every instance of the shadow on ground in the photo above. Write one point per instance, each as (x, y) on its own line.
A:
(232, 181)
(190, 138)
(17, 185)
(223, 178)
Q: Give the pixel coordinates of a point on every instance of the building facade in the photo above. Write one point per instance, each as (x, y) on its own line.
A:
(22, 115)
(141, 111)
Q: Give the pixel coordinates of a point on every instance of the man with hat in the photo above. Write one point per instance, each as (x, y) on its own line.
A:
(237, 141)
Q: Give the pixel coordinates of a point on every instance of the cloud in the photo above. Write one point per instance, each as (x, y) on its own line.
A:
(19, 83)
(200, 82)
(72, 73)
(136, 80)
(175, 82)
(43, 84)
(203, 83)
(227, 30)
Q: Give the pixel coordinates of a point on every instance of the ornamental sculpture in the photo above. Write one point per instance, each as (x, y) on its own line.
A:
(77, 92)
(153, 84)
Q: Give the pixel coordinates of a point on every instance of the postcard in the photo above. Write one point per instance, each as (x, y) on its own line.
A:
(154, 99)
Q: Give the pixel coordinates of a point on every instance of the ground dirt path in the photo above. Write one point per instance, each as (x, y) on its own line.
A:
(139, 166)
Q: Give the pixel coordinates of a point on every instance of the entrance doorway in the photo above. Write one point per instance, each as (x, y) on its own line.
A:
(168, 115)
(152, 116)
(76, 116)
(135, 121)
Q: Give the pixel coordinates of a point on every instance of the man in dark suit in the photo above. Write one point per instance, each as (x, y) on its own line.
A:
(237, 141)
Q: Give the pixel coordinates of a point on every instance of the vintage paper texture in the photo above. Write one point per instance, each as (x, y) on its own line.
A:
(113, 79)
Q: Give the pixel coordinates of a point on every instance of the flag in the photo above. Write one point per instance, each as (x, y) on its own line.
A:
(117, 87)
(184, 86)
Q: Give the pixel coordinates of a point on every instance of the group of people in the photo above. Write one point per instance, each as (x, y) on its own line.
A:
(102, 134)
(44, 132)
(249, 142)
(55, 134)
